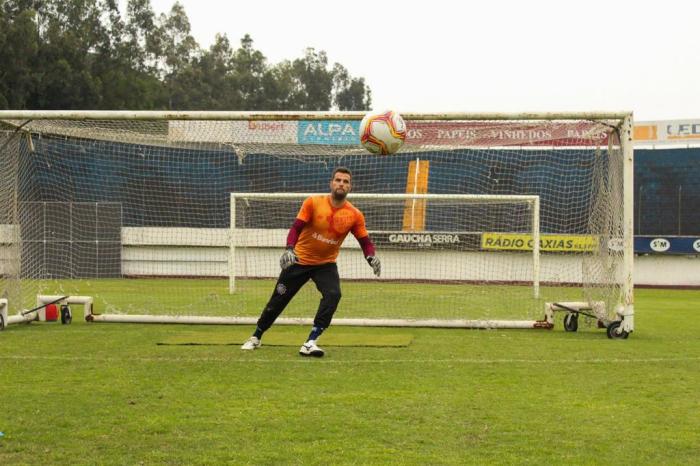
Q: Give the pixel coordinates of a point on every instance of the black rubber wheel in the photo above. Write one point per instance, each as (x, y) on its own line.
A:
(612, 331)
(571, 322)
(2, 323)
(66, 314)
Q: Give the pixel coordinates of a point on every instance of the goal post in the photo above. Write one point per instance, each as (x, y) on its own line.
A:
(134, 209)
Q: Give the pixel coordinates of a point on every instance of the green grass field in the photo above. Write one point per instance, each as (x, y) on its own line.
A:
(108, 394)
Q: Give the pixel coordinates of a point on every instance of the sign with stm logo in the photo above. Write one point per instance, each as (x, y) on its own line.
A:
(667, 245)
(420, 240)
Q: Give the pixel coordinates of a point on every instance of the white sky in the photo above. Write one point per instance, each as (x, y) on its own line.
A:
(485, 55)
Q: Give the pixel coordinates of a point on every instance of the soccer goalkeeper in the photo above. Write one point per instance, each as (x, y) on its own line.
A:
(313, 244)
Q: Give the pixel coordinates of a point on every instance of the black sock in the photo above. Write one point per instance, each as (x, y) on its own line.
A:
(315, 333)
(258, 333)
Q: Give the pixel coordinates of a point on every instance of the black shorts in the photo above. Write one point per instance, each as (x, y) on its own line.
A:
(290, 281)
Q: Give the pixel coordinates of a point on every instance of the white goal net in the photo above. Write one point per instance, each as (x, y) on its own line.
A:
(479, 218)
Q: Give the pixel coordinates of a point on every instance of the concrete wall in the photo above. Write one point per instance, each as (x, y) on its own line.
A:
(178, 252)
(205, 252)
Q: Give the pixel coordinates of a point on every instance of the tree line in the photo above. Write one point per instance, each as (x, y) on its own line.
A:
(87, 54)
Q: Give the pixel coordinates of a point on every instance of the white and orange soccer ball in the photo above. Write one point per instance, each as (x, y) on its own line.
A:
(382, 132)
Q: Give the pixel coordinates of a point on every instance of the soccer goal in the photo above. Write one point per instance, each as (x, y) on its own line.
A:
(481, 220)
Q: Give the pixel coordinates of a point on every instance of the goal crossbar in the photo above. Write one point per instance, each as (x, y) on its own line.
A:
(291, 115)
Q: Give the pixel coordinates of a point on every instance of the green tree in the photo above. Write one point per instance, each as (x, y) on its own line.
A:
(315, 80)
(70, 33)
(204, 83)
(179, 51)
(308, 83)
(19, 43)
(127, 64)
(248, 67)
(349, 93)
(84, 54)
(141, 39)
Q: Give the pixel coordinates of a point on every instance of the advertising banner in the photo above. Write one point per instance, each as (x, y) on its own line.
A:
(270, 132)
(273, 132)
(498, 134)
(433, 133)
(667, 132)
(667, 244)
(425, 240)
(333, 132)
(550, 243)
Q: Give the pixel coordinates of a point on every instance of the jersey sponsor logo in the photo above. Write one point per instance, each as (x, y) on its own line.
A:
(323, 239)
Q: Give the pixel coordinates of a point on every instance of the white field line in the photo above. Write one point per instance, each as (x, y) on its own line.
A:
(246, 360)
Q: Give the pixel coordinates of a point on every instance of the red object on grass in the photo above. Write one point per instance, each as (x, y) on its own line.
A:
(51, 312)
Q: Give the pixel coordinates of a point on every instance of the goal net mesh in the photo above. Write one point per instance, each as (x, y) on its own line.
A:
(432, 267)
(137, 214)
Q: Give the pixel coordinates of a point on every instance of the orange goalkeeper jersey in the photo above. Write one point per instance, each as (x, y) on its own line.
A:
(326, 229)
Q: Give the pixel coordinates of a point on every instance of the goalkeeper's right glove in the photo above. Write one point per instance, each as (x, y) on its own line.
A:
(288, 258)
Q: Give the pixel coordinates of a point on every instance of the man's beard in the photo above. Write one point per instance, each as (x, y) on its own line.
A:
(339, 195)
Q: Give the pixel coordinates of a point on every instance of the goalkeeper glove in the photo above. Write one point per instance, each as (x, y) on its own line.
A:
(376, 264)
(288, 258)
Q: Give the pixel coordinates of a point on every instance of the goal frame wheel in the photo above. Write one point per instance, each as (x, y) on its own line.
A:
(66, 314)
(614, 334)
(571, 322)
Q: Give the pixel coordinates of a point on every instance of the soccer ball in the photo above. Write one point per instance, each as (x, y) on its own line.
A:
(383, 132)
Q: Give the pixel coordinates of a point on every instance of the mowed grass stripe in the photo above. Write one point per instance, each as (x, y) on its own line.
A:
(353, 361)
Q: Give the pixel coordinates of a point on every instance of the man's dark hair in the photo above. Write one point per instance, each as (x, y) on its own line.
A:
(341, 170)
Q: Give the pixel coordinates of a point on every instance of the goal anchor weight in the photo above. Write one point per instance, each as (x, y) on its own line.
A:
(29, 315)
(42, 306)
(65, 308)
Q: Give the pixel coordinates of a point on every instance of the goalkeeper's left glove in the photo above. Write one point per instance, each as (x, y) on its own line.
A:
(376, 264)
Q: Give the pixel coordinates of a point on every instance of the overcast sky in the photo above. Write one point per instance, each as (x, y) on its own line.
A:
(486, 55)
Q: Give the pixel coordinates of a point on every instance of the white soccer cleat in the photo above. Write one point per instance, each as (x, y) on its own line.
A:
(251, 344)
(310, 349)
